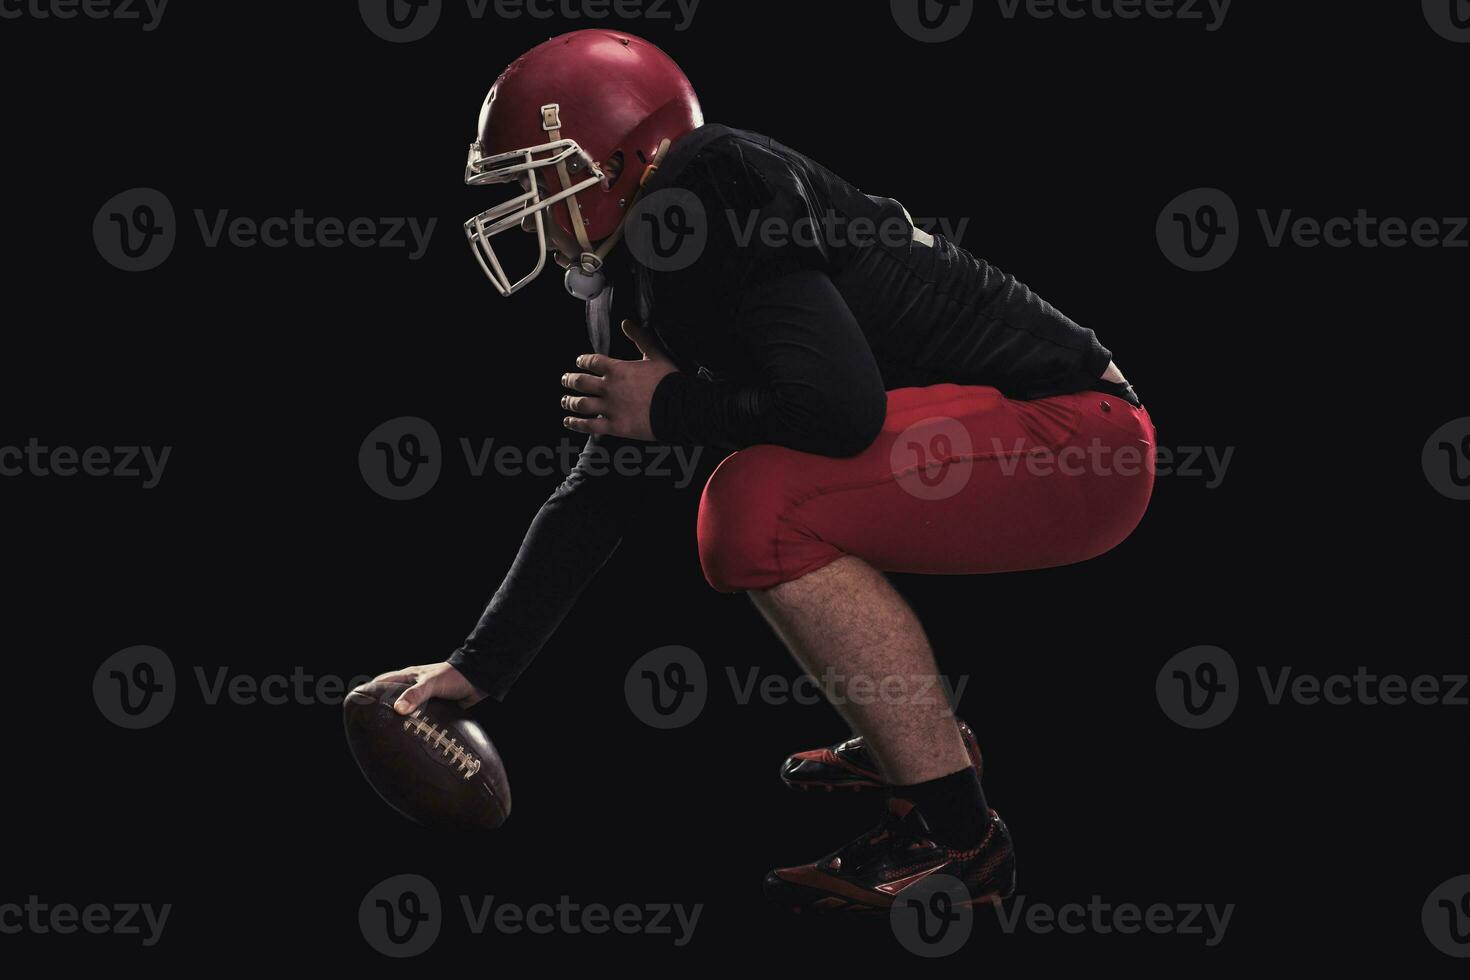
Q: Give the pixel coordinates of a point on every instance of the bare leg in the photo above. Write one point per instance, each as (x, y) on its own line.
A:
(847, 619)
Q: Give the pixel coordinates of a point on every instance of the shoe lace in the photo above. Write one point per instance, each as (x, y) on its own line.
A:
(890, 828)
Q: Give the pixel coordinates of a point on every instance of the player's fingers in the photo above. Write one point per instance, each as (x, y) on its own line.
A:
(589, 383)
(636, 334)
(583, 406)
(642, 338)
(592, 427)
(645, 340)
(410, 699)
(596, 363)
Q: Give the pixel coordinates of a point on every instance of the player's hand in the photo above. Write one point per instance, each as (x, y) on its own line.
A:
(617, 393)
(432, 681)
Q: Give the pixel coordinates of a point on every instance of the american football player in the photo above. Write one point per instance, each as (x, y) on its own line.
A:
(891, 403)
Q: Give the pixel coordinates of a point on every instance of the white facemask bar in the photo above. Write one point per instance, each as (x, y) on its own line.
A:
(504, 168)
(500, 168)
(502, 219)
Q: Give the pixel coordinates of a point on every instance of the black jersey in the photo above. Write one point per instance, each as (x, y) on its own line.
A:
(853, 278)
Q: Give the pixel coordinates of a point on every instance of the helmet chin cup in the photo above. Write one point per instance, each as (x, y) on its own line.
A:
(585, 279)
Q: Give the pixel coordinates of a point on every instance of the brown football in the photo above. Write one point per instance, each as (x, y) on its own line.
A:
(436, 766)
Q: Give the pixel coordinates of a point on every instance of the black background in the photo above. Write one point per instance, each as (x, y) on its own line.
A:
(264, 551)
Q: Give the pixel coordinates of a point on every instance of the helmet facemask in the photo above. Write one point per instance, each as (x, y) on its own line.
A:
(566, 159)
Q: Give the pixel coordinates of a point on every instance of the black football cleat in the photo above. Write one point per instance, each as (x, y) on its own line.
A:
(873, 872)
(849, 765)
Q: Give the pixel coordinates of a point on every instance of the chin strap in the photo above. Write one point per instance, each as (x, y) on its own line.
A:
(584, 279)
(551, 122)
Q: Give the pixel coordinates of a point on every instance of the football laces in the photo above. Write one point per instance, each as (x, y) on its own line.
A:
(441, 741)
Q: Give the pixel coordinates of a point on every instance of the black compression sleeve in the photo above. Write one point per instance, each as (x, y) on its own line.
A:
(814, 385)
(574, 534)
(576, 531)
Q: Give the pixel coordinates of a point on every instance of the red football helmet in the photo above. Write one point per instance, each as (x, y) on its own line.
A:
(578, 122)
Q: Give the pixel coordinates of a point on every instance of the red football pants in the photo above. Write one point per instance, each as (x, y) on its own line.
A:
(960, 481)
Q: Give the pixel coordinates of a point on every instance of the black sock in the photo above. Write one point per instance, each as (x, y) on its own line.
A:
(953, 806)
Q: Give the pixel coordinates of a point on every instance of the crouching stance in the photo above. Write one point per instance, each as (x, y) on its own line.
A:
(959, 481)
(895, 405)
